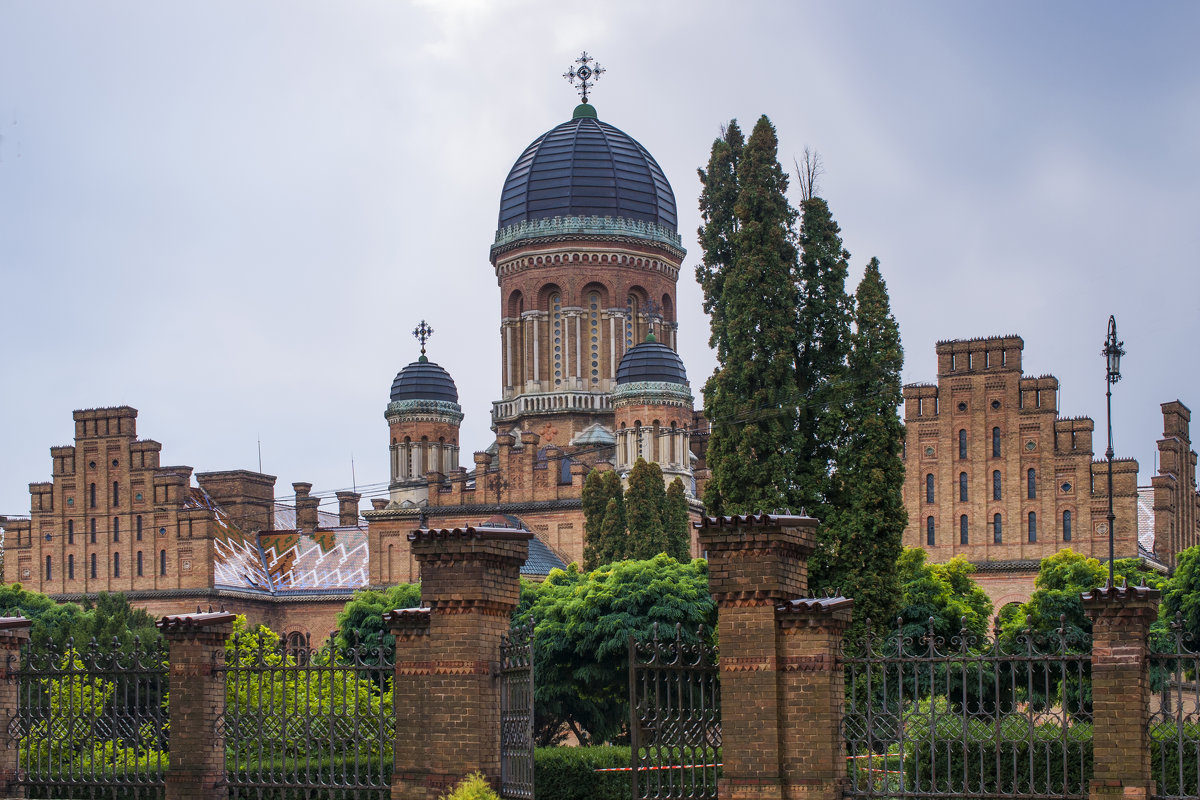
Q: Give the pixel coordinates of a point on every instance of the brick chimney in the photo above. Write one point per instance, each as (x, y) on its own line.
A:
(348, 509)
(379, 503)
(306, 507)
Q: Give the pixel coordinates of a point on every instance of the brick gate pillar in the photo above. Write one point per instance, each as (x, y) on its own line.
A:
(776, 706)
(14, 632)
(448, 668)
(196, 647)
(1121, 620)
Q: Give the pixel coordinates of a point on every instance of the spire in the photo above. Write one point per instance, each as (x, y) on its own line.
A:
(422, 332)
(586, 74)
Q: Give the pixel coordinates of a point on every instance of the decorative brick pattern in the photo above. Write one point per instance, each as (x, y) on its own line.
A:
(197, 701)
(781, 688)
(14, 631)
(1121, 620)
(447, 657)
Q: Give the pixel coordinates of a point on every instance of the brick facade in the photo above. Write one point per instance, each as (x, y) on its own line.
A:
(1176, 502)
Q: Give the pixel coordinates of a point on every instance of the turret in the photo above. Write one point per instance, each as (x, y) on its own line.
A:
(652, 403)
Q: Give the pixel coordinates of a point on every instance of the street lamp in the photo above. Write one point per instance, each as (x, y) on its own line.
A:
(1113, 350)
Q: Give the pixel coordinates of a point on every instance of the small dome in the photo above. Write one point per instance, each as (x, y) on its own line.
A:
(424, 380)
(651, 361)
(586, 168)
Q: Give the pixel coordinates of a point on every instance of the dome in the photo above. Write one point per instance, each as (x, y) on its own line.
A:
(651, 361)
(424, 380)
(586, 168)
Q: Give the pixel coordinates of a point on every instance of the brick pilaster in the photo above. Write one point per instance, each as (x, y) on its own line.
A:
(1121, 620)
(412, 687)
(196, 648)
(812, 697)
(470, 581)
(755, 564)
(14, 631)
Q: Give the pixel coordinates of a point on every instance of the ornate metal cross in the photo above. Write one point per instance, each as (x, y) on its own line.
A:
(585, 73)
(422, 332)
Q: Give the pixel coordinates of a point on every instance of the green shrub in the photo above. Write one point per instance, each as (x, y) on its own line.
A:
(472, 787)
(1175, 771)
(569, 773)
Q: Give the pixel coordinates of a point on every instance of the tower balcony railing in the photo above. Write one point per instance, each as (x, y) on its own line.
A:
(550, 403)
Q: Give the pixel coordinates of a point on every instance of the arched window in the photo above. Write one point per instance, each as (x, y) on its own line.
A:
(139, 563)
(93, 565)
(116, 565)
(997, 530)
(963, 538)
(47, 567)
(71, 567)
(556, 326)
(1031, 479)
(962, 443)
(929, 532)
(162, 562)
(139, 527)
(116, 529)
(70, 531)
(996, 484)
(962, 487)
(116, 493)
(92, 494)
(929, 488)
(995, 442)
(1033, 526)
(1066, 526)
(594, 333)
(92, 532)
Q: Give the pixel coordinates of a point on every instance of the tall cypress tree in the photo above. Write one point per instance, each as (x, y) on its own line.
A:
(595, 500)
(676, 522)
(867, 516)
(612, 532)
(720, 182)
(749, 286)
(823, 322)
(644, 503)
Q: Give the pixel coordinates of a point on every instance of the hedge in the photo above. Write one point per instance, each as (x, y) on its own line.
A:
(569, 773)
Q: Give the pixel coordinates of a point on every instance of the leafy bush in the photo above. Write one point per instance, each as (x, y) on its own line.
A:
(569, 773)
(472, 787)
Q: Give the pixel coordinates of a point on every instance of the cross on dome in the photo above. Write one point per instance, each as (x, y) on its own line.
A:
(585, 73)
(422, 332)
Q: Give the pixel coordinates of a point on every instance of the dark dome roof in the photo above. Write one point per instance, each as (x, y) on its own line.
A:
(651, 361)
(424, 380)
(586, 167)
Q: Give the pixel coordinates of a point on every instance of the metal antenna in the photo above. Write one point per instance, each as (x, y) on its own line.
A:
(585, 73)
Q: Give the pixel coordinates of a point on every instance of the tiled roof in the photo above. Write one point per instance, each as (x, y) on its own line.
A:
(1145, 518)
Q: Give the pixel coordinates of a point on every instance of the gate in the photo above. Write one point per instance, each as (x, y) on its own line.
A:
(675, 717)
(516, 712)
(91, 720)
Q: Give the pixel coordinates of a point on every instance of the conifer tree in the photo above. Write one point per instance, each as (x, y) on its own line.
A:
(595, 500)
(720, 182)
(824, 314)
(748, 279)
(644, 504)
(861, 536)
(612, 532)
(677, 523)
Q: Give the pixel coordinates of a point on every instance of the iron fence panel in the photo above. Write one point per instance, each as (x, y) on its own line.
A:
(675, 717)
(516, 712)
(307, 723)
(973, 717)
(1174, 722)
(90, 721)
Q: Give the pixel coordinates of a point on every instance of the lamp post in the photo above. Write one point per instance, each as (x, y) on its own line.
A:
(1113, 350)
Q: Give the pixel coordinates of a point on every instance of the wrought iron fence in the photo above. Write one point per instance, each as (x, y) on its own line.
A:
(675, 716)
(516, 712)
(1175, 715)
(307, 723)
(971, 716)
(91, 721)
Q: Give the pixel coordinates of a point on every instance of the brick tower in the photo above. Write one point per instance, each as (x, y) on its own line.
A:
(587, 256)
(423, 419)
(653, 409)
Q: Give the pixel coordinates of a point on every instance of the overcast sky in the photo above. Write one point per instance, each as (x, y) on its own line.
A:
(230, 215)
